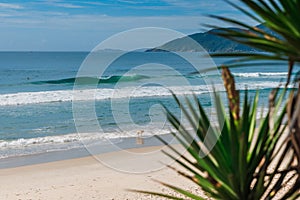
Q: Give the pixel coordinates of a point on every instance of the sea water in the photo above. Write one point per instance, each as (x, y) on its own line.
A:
(37, 97)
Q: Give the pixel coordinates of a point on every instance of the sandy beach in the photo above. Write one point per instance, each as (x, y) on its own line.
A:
(102, 176)
(87, 178)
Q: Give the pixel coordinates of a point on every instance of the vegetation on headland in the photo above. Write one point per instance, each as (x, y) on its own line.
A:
(210, 41)
(249, 161)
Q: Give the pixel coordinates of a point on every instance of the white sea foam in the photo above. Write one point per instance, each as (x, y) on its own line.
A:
(93, 94)
(31, 146)
(76, 137)
(262, 74)
(37, 145)
(39, 140)
(102, 94)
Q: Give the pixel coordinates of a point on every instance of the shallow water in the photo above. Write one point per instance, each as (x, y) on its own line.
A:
(37, 99)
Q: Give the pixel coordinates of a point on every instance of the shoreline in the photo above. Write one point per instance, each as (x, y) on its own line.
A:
(52, 156)
(87, 178)
(103, 176)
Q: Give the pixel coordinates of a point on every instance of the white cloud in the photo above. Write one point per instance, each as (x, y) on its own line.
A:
(66, 5)
(205, 6)
(10, 6)
(59, 21)
(54, 30)
(184, 4)
(129, 1)
(95, 3)
(5, 15)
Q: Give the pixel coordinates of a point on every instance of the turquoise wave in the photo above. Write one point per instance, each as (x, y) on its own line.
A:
(93, 80)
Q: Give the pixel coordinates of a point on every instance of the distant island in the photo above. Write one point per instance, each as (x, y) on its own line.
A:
(209, 41)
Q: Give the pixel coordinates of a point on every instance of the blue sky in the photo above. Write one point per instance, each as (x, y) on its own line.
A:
(61, 25)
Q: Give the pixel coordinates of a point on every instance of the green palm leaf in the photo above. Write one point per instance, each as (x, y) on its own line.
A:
(237, 166)
(282, 17)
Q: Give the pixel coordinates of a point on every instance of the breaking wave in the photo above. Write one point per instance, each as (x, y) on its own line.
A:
(118, 93)
(261, 74)
(93, 80)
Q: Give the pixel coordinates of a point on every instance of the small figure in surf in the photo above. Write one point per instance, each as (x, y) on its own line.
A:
(139, 139)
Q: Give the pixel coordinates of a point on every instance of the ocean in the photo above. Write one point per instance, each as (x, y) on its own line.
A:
(37, 97)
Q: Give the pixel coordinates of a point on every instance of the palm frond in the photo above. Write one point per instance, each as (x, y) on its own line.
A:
(237, 166)
(281, 17)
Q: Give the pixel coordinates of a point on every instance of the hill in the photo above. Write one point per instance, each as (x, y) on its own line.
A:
(209, 41)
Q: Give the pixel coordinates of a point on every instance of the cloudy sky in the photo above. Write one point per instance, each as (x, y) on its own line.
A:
(61, 25)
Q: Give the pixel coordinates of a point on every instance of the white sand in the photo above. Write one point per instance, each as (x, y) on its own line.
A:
(86, 178)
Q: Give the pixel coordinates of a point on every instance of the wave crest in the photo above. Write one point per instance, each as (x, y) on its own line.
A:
(92, 80)
(260, 74)
(118, 93)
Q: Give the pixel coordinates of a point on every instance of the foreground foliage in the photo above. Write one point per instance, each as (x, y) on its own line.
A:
(279, 40)
(238, 166)
(249, 161)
